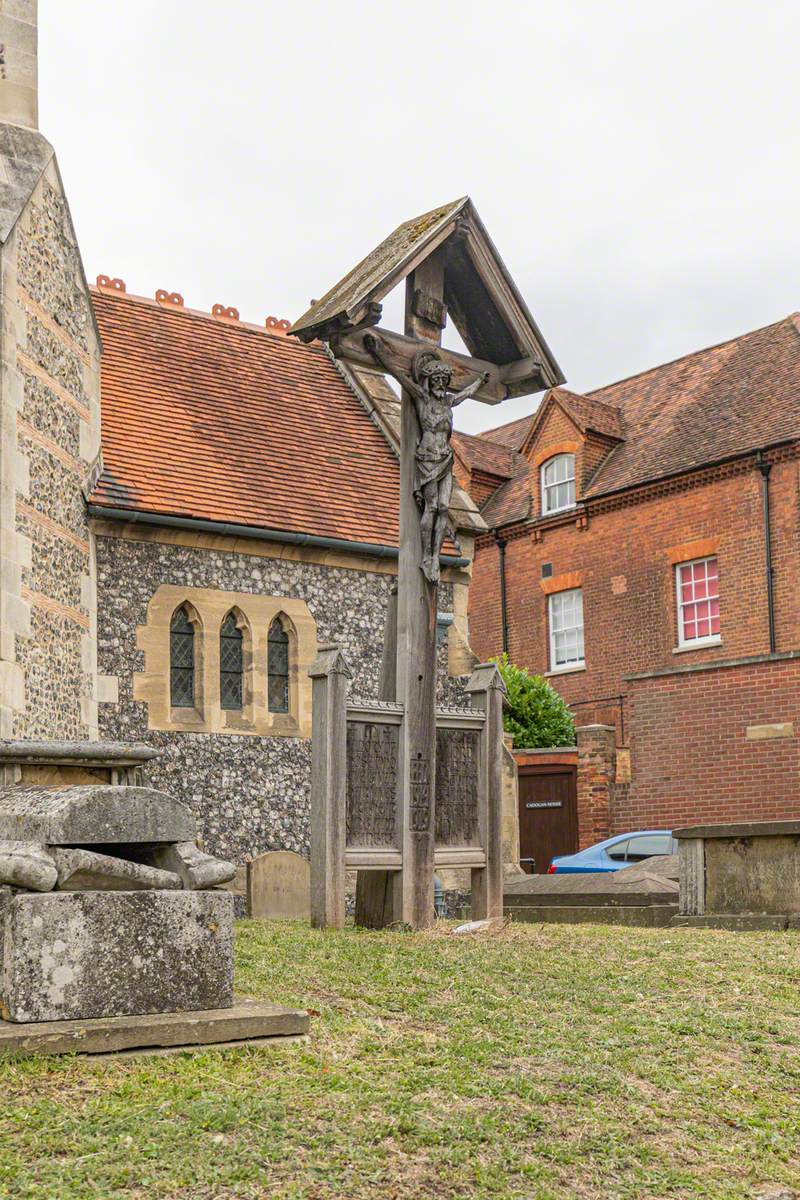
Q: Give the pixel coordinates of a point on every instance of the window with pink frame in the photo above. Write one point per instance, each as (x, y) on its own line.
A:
(698, 602)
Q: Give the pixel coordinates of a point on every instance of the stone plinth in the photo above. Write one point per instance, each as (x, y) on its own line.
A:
(747, 868)
(74, 955)
(645, 894)
(247, 1023)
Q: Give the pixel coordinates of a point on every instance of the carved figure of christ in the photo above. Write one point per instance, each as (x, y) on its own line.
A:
(428, 387)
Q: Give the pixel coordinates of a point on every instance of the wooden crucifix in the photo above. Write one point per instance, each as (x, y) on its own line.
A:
(449, 263)
(429, 391)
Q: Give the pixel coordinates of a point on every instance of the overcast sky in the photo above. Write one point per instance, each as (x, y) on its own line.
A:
(637, 163)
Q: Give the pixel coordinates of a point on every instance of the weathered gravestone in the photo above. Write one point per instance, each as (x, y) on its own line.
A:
(279, 887)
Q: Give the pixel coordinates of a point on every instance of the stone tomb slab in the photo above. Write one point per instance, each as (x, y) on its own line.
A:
(247, 1022)
(76, 955)
(279, 887)
(644, 894)
(93, 815)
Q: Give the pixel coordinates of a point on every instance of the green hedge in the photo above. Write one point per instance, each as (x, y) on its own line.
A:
(536, 715)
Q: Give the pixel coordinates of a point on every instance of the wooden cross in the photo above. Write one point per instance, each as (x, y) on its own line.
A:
(448, 262)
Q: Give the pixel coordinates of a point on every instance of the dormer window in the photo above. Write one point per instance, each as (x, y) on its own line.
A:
(558, 483)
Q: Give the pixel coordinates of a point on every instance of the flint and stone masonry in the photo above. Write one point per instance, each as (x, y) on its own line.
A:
(50, 443)
(249, 794)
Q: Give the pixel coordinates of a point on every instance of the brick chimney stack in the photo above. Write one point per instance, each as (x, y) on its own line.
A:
(19, 99)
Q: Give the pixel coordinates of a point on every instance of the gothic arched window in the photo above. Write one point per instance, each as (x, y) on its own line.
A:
(181, 659)
(278, 668)
(231, 664)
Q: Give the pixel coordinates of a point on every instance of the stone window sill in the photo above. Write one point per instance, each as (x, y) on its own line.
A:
(565, 671)
(698, 645)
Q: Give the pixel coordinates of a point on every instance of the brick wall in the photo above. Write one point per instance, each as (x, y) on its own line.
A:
(691, 760)
(626, 558)
(596, 782)
(694, 760)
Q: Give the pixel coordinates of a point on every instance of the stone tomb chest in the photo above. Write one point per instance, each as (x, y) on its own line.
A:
(744, 875)
(107, 906)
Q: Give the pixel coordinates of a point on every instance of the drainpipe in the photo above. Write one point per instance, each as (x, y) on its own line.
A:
(501, 560)
(765, 467)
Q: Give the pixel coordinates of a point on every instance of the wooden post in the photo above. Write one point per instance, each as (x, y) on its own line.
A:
(374, 888)
(330, 675)
(487, 690)
(412, 900)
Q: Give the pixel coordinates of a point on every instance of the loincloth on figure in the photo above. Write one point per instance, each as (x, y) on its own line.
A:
(430, 468)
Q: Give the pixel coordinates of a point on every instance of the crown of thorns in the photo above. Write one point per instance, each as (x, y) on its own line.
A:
(429, 364)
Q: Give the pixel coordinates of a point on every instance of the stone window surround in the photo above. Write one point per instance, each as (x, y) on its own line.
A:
(208, 608)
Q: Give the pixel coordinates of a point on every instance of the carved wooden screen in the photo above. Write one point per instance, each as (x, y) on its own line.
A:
(457, 763)
(371, 783)
(373, 742)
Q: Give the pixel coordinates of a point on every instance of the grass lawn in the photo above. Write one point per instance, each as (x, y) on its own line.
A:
(547, 1061)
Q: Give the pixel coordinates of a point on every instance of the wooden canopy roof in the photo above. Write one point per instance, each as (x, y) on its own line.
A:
(482, 298)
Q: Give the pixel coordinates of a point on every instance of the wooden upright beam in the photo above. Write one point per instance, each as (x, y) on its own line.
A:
(416, 649)
(486, 689)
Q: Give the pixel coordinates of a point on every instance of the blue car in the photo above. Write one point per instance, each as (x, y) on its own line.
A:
(615, 853)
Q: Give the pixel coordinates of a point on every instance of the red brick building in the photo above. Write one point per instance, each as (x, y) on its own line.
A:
(644, 554)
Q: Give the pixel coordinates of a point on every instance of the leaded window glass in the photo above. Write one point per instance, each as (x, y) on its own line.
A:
(278, 668)
(231, 664)
(181, 660)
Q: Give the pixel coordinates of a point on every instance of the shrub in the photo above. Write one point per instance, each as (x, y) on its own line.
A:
(536, 715)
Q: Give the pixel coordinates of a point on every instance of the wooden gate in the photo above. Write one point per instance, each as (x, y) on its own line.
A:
(548, 807)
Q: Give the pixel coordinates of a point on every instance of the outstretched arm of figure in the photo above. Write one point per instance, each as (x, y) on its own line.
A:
(376, 346)
(470, 391)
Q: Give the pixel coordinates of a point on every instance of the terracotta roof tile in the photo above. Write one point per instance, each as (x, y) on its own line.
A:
(590, 413)
(227, 422)
(710, 405)
(714, 404)
(480, 454)
(512, 434)
(511, 501)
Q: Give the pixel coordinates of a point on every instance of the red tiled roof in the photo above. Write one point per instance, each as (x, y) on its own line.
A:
(591, 414)
(717, 403)
(714, 404)
(219, 420)
(482, 455)
(511, 501)
(512, 434)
